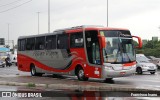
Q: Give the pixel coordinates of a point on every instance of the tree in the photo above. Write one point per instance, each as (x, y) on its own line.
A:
(151, 48)
(135, 43)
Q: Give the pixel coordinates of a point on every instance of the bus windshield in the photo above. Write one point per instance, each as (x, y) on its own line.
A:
(119, 47)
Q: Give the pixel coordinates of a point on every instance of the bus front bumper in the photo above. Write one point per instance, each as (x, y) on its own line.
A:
(110, 73)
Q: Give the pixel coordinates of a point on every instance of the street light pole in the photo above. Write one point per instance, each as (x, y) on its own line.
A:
(48, 16)
(8, 34)
(13, 46)
(38, 21)
(107, 13)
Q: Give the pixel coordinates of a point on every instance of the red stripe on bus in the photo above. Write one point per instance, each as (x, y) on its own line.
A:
(129, 64)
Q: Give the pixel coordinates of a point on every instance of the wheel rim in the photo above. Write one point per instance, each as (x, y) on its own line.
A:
(33, 71)
(81, 73)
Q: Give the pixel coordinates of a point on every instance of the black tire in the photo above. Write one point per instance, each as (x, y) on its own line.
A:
(108, 80)
(152, 72)
(33, 71)
(139, 70)
(80, 75)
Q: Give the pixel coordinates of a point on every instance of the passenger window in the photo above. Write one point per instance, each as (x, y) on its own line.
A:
(51, 42)
(21, 44)
(62, 41)
(30, 44)
(76, 40)
(40, 43)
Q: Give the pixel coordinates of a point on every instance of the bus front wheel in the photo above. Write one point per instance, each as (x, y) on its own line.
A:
(33, 71)
(80, 75)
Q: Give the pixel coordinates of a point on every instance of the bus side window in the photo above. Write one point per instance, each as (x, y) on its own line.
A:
(40, 43)
(62, 41)
(76, 40)
(30, 45)
(51, 42)
(21, 44)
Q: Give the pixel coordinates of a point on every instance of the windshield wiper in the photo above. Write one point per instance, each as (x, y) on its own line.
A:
(128, 57)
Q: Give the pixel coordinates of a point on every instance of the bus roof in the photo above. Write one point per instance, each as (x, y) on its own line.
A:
(97, 27)
(86, 27)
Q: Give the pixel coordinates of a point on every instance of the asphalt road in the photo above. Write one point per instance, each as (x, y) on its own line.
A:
(11, 74)
(145, 80)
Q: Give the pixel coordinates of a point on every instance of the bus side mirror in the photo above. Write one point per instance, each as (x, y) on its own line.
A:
(139, 42)
(102, 40)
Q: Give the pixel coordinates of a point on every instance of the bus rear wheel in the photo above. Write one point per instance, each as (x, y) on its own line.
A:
(80, 75)
(33, 71)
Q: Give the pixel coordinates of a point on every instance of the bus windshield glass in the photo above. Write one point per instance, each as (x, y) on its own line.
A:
(119, 47)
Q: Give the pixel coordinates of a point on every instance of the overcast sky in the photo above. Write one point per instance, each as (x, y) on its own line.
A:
(141, 17)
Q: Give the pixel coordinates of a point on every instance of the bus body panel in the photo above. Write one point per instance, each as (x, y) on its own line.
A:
(54, 63)
(48, 62)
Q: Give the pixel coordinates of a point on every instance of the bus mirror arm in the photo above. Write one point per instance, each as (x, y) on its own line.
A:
(102, 40)
(139, 42)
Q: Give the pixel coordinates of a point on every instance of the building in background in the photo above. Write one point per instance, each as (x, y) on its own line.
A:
(155, 38)
(2, 41)
(3, 47)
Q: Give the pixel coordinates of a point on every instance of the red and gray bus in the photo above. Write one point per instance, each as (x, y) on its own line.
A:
(84, 51)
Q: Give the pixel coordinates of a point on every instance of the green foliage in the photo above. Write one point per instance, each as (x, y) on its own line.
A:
(152, 48)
